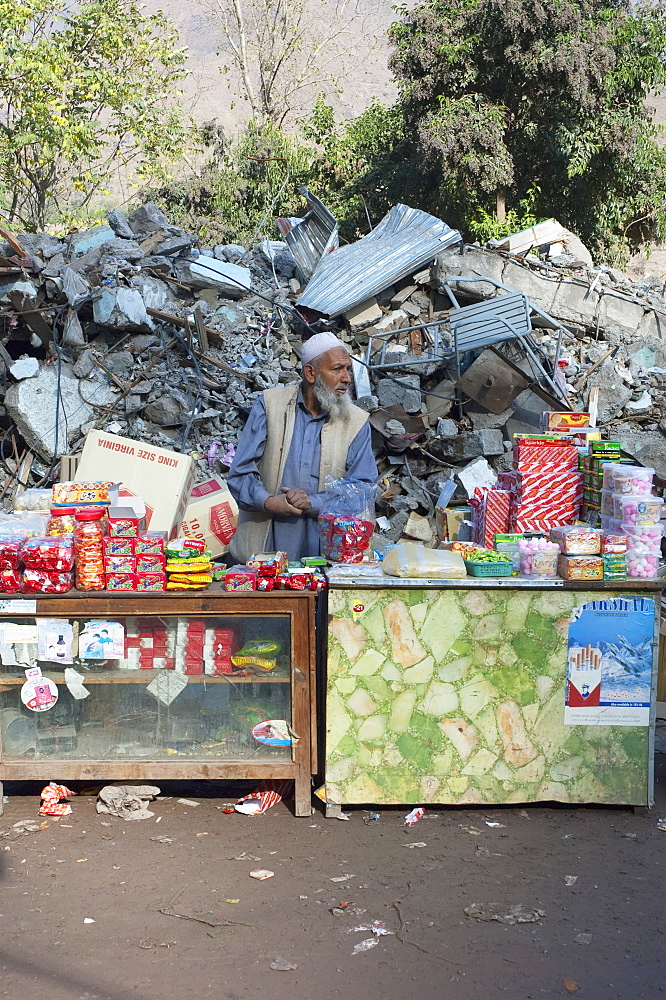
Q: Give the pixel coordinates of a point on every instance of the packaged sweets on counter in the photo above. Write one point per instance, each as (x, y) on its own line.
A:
(120, 581)
(52, 554)
(632, 480)
(150, 562)
(641, 566)
(538, 557)
(151, 582)
(10, 553)
(613, 543)
(580, 567)
(119, 546)
(60, 523)
(150, 543)
(89, 550)
(10, 581)
(42, 581)
(644, 539)
(33, 499)
(119, 564)
(638, 510)
(184, 548)
(615, 565)
(72, 494)
(577, 539)
(240, 578)
(269, 563)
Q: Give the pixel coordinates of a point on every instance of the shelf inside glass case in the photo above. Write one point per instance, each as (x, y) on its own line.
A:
(173, 688)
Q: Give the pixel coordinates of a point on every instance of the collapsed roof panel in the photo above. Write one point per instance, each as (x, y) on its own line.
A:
(311, 237)
(403, 241)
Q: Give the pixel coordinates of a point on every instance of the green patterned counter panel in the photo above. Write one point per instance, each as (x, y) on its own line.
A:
(457, 696)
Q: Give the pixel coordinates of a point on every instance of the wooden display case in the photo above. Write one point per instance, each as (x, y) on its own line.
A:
(123, 731)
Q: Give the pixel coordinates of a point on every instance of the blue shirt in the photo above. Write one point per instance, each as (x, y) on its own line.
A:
(297, 536)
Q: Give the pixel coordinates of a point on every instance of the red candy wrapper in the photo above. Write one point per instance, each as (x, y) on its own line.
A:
(344, 539)
(150, 562)
(119, 546)
(51, 804)
(55, 555)
(151, 542)
(10, 581)
(119, 564)
(10, 553)
(42, 581)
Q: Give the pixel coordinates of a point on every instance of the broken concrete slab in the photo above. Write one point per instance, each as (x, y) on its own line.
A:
(208, 272)
(25, 367)
(446, 428)
(613, 392)
(9, 285)
(32, 406)
(440, 400)
(470, 444)
(94, 239)
(363, 314)
(121, 308)
(404, 390)
(477, 474)
(482, 420)
(128, 250)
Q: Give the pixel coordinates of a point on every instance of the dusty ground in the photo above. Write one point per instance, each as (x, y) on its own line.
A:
(90, 866)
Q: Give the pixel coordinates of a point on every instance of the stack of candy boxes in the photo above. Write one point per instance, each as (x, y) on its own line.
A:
(630, 509)
(546, 486)
(134, 560)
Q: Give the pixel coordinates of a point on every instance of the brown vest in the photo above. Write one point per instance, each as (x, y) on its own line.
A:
(337, 435)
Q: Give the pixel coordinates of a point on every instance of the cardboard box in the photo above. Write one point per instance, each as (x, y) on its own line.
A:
(162, 478)
(211, 516)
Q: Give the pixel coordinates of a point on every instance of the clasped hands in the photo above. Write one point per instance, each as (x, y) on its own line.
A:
(289, 502)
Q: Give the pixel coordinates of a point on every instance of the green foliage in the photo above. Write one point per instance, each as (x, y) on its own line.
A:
(547, 96)
(485, 226)
(83, 91)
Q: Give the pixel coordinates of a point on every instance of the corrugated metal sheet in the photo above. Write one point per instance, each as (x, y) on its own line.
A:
(311, 237)
(405, 240)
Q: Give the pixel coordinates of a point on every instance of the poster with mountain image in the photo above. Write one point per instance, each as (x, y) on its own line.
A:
(610, 663)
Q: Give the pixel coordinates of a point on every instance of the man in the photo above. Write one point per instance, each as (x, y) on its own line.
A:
(296, 436)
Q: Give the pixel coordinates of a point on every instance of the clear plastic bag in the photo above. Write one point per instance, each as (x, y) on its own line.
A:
(408, 559)
(347, 520)
(33, 499)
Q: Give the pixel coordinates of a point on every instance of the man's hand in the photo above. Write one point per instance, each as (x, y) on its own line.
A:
(280, 505)
(298, 498)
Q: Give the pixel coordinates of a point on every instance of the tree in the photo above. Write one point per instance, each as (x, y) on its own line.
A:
(84, 91)
(283, 51)
(539, 101)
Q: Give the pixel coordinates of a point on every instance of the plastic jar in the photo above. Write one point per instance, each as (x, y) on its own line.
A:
(606, 503)
(89, 549)
(60, 523)
(642, 566)
(632, 480)
(644, 539)
(608, 469)
(640, 510)
(538, 557)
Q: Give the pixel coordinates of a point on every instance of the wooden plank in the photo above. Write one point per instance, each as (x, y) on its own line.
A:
(182, 324)
(145, 676)
(13, 241)
(202, 333)
(174, 769)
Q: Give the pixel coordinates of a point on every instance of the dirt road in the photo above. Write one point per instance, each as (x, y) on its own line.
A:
(183, 920)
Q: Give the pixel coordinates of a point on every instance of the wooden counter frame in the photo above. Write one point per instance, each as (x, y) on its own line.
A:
(299, 606)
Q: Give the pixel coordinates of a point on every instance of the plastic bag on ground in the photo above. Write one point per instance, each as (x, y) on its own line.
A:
(411, 560)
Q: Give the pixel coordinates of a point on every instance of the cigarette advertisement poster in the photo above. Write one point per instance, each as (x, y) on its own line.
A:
(609, 667)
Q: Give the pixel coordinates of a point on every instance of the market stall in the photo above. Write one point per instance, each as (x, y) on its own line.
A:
(108, 686)
(490, 691)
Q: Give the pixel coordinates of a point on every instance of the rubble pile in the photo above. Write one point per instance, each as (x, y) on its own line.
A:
(135, 328)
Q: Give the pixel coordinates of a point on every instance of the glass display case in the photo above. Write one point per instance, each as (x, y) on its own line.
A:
(158, 685)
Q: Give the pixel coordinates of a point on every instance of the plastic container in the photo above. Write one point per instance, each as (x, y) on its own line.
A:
(60, 524)
(607, 503)
(632, 480)
(640, 510)
(642, 566)
(33, 499)
(608, 470)
(538, 557)
(644, 539)
(89, 550)
(488, 568)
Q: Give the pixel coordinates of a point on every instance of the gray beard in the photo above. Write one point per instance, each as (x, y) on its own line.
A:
(330, 402)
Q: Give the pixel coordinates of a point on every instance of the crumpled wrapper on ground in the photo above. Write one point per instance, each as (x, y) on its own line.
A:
(127, 801)
(263, 799)
(51, 804)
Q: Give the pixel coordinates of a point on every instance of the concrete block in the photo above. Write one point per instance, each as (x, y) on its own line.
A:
(364, 314)
(121, 308)
(471, 444)
(479, 263)
(406, 391)
(619, 314)
(82, 243)
(32, 406)
(489, 421)
(121, 227)
(147, 219)
(447, 428)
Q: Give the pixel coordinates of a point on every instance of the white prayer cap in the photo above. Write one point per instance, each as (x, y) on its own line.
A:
(319, 344)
